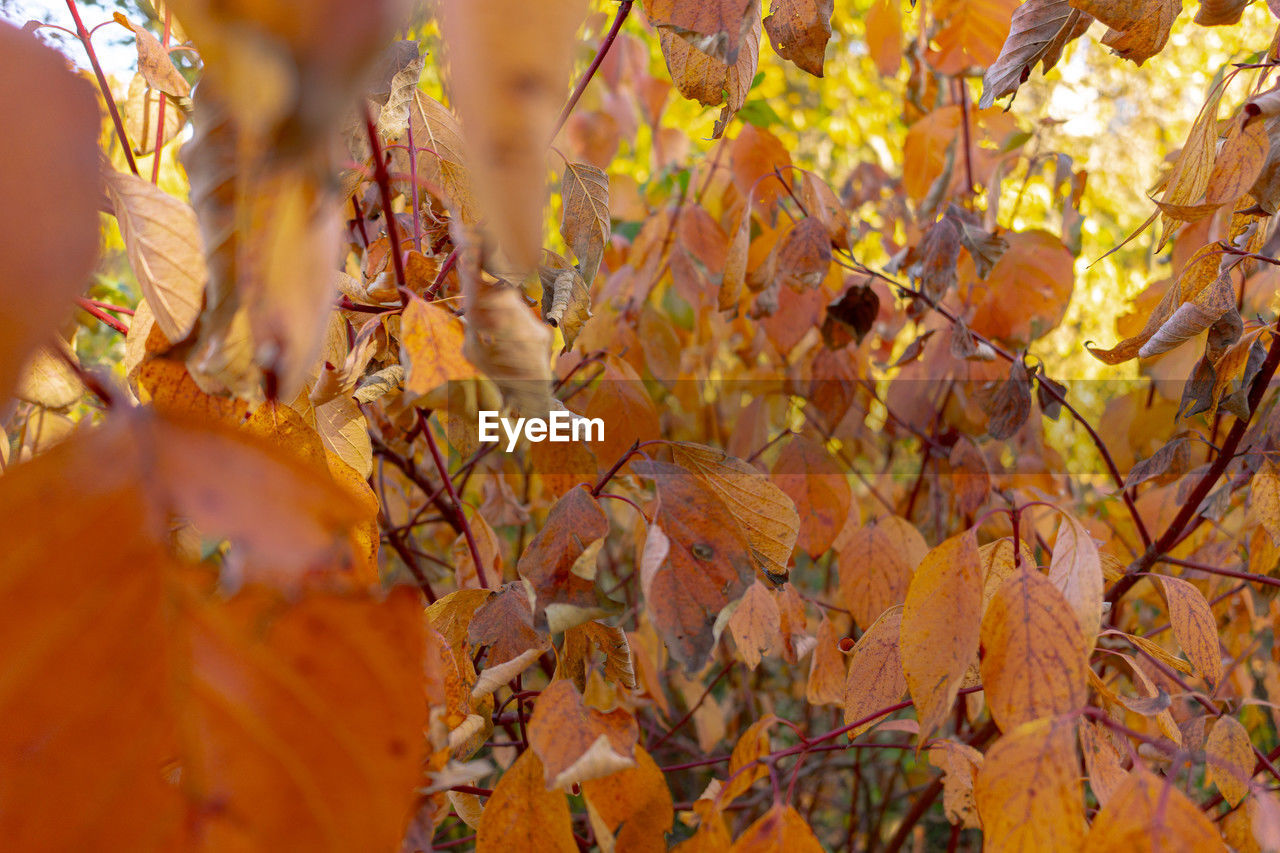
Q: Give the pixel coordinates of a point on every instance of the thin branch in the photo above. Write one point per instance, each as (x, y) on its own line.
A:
(624, 9)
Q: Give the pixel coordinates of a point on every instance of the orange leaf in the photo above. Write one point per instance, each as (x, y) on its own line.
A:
(876, 563)
(1229, 759)
(524, 815)
(560, 563)
(49, 151)
(940, 624)
(820, 490)
(780, 828)
(1034, 663)
(694, 563)
(754, 624)
(431, 346)
(1147, 814)
(634, 803)
(576, 742)
(1028, 792)
(875, 679)
(1195, 626)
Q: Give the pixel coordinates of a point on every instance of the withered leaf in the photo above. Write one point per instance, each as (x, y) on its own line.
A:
(442, 154)
(799, 31)
(1011, 404)
(584, 224)
(1040, 30)
(162, 239)
(576, 742)
(875, 678)
(559, 565)
(1138, 31)
(504, 623)
(767, 515)
(566, 299)
(698, 75)
(851, 316)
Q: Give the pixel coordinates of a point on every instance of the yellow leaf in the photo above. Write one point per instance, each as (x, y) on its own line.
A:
(635, 804)
(780, 828)
(431, 344)
(1194, 625)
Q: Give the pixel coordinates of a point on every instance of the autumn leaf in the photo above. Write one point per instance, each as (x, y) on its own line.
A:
(1033, 666)
(1076, 570)
(1028, 792)
(1039, 31)
(634, 803)
(524, 814)
(200, 666)
(431, 341)
(1138, 31)
(576, 742)
(940, 624)
(765, 512)
(875, 679)
(504, 623)
(702, 76)
(1148, 813)
(559, 565)
(694, 562)
(780, 828)
(799, 30)
(48, 152)
(584, 223)
(876, 563)
(754, 625)
(1194, 625)
(163, 242)
(820, 490)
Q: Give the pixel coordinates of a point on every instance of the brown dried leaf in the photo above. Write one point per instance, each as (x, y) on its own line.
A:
(1138, 31)
(566, 299)
(695, 562)
(576, 742)
(559, 566)
(162, 240)
(584, 191)
(1040, 29)
(799, 31)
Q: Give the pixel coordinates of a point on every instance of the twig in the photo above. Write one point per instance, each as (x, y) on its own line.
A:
(624, 9)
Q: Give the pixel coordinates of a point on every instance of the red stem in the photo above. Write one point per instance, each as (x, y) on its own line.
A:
(624, 9)
(453, 498)
(87, 41)
(107, 320)
(384, 189)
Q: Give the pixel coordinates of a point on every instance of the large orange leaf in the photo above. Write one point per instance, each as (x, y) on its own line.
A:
(560, 563)
(166, 712)
(49, 161)
(1026, 293)
(875, 565)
